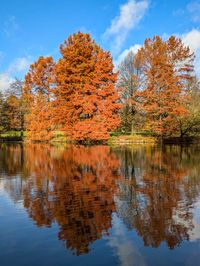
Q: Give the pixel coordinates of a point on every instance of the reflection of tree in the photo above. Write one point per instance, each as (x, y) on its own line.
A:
(11, 166)
(79, 187)
(156, 196)
(11, 163)
(72, 187)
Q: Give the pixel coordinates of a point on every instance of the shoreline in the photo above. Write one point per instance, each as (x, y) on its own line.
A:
(114, 140)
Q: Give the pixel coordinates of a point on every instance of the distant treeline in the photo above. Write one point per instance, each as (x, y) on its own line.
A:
(154, 91)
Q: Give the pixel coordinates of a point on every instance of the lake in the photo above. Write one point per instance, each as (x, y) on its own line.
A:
(99, 205)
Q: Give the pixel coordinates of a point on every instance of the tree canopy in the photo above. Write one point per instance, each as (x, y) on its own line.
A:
(82, 95)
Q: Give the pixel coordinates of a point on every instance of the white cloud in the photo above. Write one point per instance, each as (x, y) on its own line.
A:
(1, 56)
(194, 10)
(17, 68)
(120, 58)
(5, 81)
(178, 12)
(192, 39)
(20, 64)
(130, 15)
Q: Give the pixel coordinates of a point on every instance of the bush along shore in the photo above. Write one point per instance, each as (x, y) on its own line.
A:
(11, 136)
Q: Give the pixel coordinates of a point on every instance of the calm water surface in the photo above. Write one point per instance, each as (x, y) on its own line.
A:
(76, 205)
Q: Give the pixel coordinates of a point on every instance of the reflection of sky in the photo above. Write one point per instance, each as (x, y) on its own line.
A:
(15, 183)
(123, 246)
(1, 186)
(195, 232)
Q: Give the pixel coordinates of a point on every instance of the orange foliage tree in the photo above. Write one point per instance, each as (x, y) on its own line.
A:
(86, 100)
(166, 67)
(39, 83)
(11, 119)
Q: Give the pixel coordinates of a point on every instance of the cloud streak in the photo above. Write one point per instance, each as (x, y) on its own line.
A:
(194, 10)
(130, 15)
(1, 56)
(10, 26)
(20, 64)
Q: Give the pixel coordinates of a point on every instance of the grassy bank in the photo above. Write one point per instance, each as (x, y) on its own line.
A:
(131, 139)
(11, 136)
(115, 138)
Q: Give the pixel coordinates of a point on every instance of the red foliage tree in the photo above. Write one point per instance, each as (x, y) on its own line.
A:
(38, 93)
(166, 67)
(86, 99)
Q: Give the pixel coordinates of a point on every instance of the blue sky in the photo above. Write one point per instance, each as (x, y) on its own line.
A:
(29, 29)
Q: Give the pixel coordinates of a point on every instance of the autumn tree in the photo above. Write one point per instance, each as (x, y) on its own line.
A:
(39, 83)
(11, 107)
(11, 119)
(15, 88)
(1, 112)
(129, 80)
(189, 125)
(15, 91)
(86, 100)
(166, 66)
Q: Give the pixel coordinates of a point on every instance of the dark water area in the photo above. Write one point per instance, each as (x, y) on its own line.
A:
(99, 205)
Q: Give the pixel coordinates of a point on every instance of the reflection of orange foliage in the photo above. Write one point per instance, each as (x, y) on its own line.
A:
(157, 196)
(11, 158)
(75, 187)
(75, 190)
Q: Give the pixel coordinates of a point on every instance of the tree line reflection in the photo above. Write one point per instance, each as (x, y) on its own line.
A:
(152, 189)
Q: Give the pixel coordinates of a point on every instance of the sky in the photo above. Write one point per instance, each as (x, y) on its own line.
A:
(32, 28)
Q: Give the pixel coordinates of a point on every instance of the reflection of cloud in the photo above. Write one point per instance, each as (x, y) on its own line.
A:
(193, 225)
(123, 245)
(1, 186)
(130, 15)
(195, 232)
